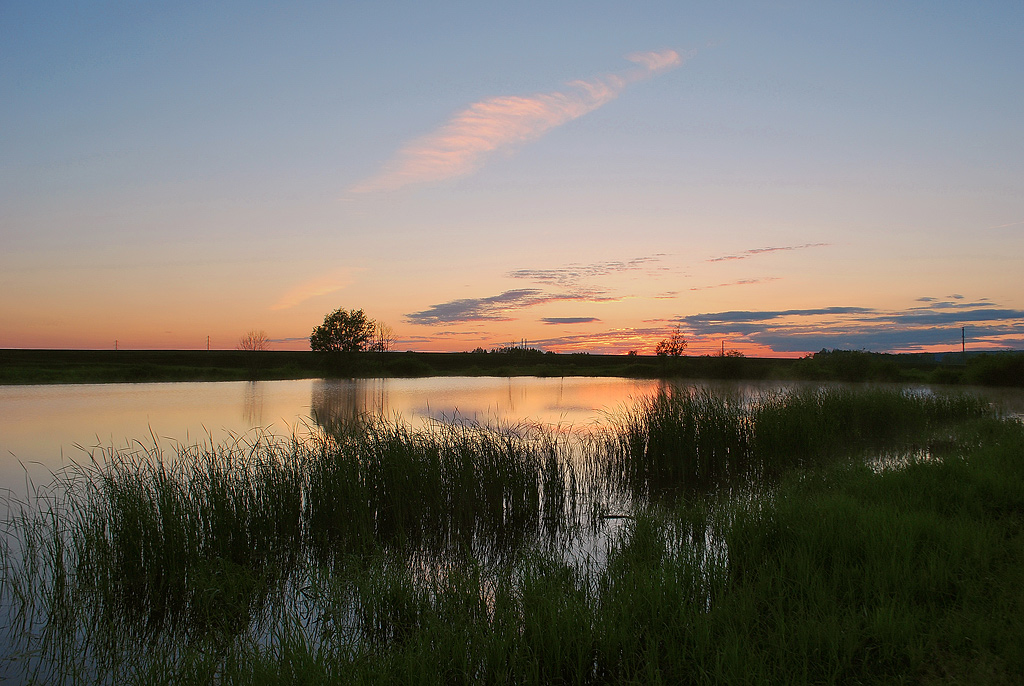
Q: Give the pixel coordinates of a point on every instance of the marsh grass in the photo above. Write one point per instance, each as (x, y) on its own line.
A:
(680, 439)
(452, 487)
(694, 439)
(699, 538)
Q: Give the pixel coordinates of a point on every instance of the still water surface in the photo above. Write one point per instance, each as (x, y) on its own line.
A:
(42, 428)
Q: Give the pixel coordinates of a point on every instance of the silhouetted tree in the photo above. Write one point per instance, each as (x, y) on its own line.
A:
(343, 331)
(383, 337)
(673, 346)
(254, 341)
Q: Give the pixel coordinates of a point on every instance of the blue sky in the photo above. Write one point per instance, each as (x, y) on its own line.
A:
(582, 175)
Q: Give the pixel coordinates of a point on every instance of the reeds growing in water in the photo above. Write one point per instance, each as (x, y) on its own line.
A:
(461, 553)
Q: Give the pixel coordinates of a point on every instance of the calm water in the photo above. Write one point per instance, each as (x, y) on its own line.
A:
(43, 427)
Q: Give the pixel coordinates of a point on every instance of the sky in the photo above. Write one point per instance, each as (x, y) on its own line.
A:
(770, 177)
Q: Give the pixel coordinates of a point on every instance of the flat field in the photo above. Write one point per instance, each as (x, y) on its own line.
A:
(105, 366)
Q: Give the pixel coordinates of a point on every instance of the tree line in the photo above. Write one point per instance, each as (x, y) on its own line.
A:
(352, 331)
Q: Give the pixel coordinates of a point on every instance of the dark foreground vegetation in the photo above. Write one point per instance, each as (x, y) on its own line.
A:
(103, 366)
(813, 536)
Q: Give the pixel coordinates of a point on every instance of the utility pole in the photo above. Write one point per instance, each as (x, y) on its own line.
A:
(963, 344)
(115, 344)
(207, 342)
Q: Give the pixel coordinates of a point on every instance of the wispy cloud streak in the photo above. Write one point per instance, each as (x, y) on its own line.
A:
(611, 341)
(461, 145)
(758, 251)
(575, 273)
(738, 282)
(496, 307)
(314, 287)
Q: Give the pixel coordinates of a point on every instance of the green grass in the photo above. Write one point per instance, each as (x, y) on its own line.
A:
(910, 575)
(752, 543)
(456, 486)
(107, 366)
(686, 439)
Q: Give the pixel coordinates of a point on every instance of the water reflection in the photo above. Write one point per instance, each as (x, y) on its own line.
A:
(1008, 401)
(43, 427)
(338, 402)
(252, 403)
(486, 401)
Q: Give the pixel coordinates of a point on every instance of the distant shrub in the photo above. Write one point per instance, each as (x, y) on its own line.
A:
(1000, 369)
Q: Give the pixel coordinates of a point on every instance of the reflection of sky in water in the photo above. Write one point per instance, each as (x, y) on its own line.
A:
(480, 399)
(42, 427)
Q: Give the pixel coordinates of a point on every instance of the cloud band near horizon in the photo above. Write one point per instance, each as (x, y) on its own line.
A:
(461, 145)
(496, 308)
(853, 328)
(808, 330)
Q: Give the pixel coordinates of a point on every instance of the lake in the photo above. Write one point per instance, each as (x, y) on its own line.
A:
(360, 542)
(42, 427)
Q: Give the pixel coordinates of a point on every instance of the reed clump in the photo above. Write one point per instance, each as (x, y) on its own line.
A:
(679, 439)
(801, 426)
(454, 486)
(694, 439)
(192, 546)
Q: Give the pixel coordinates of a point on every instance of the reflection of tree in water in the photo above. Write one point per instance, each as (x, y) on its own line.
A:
(337, 402)
(252, 403)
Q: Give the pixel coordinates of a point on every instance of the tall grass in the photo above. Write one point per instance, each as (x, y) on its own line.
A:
(461, 554)
(455, 486)
(678, 439)
(199, 541)
(693, 439)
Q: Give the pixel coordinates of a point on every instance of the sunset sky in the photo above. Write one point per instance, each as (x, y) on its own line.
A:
(777, 177)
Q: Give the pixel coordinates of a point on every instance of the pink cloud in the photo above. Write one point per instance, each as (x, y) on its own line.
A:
(758, 251)
(461, 145)
(656, 61)
(312, 288)
(740, 282)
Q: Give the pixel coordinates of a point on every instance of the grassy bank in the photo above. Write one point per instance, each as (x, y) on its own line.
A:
(817, 536)
(106, 366)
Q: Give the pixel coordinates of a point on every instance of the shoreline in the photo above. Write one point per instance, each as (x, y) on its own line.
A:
(23, 367)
